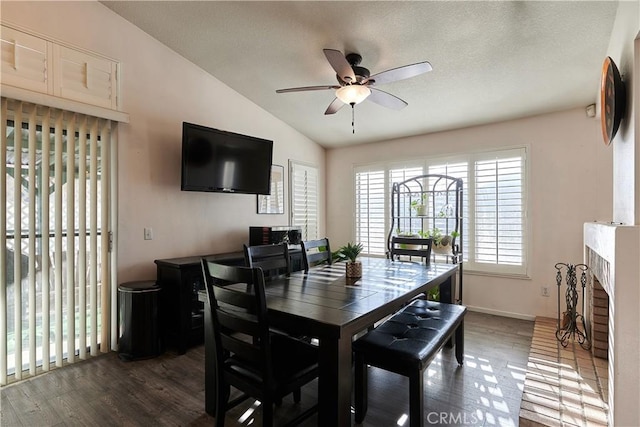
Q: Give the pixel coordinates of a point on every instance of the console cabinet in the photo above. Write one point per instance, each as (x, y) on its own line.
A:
(181, 280)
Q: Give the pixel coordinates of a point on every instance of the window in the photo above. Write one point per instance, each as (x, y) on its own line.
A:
(494, 219)
(304, 198)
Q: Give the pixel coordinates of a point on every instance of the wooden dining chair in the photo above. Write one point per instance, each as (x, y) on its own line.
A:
(273, 259)
(264, 365)
(315, 252)
(411, 247)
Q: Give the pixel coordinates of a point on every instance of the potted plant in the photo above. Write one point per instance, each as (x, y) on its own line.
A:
(420, 205)
(408, 234)
(443, 243)
(349, 253)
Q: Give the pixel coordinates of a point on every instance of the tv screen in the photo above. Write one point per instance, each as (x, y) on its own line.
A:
(219, 161)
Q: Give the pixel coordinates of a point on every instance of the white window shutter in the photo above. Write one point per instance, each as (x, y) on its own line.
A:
(494, 206)
(25, 61)
(499, 210)
(84, 77)
(371, 205)
(304, 199)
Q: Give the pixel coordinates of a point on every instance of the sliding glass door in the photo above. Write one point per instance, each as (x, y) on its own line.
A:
(54, 238)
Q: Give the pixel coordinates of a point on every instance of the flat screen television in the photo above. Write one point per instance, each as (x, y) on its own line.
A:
(219, 161)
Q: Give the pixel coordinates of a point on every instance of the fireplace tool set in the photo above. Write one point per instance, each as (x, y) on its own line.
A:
(571, 324)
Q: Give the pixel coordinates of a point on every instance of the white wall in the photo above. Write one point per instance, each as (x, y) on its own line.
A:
(568, 166)
(160, 90)
(626, 156)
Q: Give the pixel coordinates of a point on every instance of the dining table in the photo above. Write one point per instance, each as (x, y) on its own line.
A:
(325, 304)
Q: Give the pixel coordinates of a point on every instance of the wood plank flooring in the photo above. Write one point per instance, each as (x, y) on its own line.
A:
(169, 390)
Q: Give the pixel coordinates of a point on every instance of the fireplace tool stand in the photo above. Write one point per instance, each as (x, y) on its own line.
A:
(571, 324)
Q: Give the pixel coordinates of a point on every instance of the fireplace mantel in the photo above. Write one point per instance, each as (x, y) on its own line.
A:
(618, 247)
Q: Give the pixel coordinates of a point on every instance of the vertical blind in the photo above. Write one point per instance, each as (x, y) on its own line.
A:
(304, 198)
(494, 220)
(54, 238)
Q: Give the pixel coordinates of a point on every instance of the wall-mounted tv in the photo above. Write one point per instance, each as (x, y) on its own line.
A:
(219, 161)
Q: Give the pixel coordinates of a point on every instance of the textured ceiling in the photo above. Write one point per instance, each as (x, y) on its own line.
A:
(492, 61)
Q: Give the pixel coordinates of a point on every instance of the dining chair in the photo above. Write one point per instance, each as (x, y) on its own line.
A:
(315, 252)
(264, 365)
(273, 259)
(411, 247)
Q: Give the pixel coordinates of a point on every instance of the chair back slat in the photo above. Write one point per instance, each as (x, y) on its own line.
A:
(411, 247)
(315, 252)
(274, 260)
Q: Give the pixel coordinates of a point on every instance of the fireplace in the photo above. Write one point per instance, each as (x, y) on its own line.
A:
(598, 319)
(613, 253)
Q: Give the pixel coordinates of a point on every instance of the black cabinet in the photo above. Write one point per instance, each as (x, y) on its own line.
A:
(180, 280)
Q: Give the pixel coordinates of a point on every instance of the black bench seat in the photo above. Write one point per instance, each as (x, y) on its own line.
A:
(406, 344)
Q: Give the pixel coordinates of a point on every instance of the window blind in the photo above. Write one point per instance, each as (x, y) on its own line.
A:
(304, 198)
(54, 238)
(499, 211)
(370, 211)
(494, 223)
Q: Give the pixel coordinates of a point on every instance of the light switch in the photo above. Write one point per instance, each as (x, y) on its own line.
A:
(148, 233)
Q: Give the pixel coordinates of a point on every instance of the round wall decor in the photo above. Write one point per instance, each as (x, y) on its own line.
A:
(612, 100)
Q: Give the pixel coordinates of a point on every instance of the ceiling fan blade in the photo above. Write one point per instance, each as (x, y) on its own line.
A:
(306, 88)
(335, 105)
(386, 99)
(340, 64)
(401, 73)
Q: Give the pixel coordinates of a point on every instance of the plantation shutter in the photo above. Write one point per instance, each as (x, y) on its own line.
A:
(456, 169)
(499, 209)
(304, 198)
(371, 198)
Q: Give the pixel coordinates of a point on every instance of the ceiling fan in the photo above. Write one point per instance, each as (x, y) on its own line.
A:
(357, 84)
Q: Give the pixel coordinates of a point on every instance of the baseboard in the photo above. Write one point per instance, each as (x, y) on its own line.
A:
(501, 313)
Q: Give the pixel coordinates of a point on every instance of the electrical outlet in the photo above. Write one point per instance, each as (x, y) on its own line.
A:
(148, 233)
(544, 291)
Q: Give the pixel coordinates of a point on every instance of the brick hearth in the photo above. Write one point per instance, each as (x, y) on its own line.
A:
(563, 386)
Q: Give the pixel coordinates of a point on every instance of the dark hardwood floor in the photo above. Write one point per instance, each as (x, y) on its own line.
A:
(169, 390)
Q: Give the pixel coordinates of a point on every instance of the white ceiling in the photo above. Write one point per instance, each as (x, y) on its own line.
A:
(492, 61)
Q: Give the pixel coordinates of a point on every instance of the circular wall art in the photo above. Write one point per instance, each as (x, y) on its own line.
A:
(612, 100)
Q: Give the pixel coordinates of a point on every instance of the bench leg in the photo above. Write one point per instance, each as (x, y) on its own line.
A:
(361, 386)
(416, 399)
(460, 343)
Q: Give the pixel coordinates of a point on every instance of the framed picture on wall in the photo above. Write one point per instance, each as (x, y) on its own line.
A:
(274, 202)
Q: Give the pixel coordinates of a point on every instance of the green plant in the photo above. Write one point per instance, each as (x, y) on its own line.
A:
(433, 294)
(419, 202)
(349, 251)
(440, 239)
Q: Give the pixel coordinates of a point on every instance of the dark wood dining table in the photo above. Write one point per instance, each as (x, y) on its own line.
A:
(325, 304)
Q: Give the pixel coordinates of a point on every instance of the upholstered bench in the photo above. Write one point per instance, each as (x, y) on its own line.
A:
(406, 344)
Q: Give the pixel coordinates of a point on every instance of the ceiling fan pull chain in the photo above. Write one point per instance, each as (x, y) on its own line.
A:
(353, 118)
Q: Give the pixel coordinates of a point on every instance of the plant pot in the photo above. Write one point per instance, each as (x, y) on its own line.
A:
(421, 210)
(407, 245)
(353, 269)
(442, 250)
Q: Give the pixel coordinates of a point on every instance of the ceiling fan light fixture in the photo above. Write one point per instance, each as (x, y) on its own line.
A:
(353, 94)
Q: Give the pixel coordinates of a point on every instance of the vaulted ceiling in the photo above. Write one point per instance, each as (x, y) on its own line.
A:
(492, 61)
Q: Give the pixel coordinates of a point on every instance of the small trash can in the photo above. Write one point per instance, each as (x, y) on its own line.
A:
(138, 320)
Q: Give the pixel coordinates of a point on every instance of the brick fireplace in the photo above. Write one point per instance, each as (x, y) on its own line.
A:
(598, 319)
(613, 253)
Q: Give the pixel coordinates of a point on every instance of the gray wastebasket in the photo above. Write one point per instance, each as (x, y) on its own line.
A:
(138, 320)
